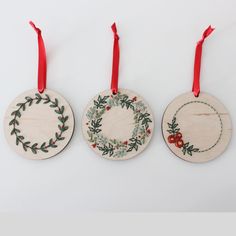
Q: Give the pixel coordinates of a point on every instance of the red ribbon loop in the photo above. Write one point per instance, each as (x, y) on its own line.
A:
(42, 62)
(116, 59)
(197, 61)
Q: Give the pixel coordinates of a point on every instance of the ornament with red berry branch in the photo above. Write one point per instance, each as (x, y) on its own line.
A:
(176, 138)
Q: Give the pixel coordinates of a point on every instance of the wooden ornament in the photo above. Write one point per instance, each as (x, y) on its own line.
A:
(196, 129)
(39, 125)
(118, 127)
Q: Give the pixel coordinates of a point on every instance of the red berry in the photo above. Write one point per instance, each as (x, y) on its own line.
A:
(134, 99)
(94, 145)
(108, 108)
(179, 143)
(125, 142)
(148, 131)
(171, 139)
(178, 136)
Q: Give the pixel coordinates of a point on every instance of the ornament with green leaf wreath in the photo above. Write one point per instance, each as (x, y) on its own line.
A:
(114, 148)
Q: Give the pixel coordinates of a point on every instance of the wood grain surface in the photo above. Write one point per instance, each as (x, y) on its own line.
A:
(38, 126)
(196, 129)
(118, 127)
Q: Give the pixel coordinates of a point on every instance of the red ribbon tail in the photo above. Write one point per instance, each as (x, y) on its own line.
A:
(197, 61)
(116, 59)
(42, 62)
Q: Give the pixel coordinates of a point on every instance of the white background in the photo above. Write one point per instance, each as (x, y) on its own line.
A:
(157, 41)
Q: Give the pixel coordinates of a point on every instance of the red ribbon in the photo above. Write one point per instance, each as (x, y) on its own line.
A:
(197, 61)
(42, 62)
(116, 59)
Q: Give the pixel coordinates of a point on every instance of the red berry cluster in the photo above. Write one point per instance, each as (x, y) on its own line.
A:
(176, 139)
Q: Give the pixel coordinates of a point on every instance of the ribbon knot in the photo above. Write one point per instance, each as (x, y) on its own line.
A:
(116, 36)
(114, 29)
(197, 61)
(38, 31)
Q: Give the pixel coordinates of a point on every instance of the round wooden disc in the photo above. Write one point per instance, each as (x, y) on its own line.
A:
(39, 126)
(118, 127)
(196, 129)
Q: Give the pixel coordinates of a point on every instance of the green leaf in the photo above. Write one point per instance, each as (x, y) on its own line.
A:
(28, 99)
(60, 127)
(13, 113)
(101, 102)
(56, 101)
(38, 95)
(38, 100)
(21, 105)
(186, 144)
(107, 149)
(34, 145)
(18, 113)
(66, 118)
(44, 150)
(12, 122)
(31, 102)
(57, 136)
(47, 99)
(43, 145)
(173, 120)
(170, 131)
(60, 118)
(189, 152)
(34, 150)
(51, 141)
(53, 105)
(24, 147)
(65, 128)
(17, 141)
(62, 109)
(95, 124)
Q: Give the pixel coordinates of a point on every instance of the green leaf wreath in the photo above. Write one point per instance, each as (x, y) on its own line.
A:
(113, 147)
(52, 142)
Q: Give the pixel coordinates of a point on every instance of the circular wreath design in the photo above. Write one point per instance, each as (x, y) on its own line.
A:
(51, 143)
(176, 136)
(113, 147)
